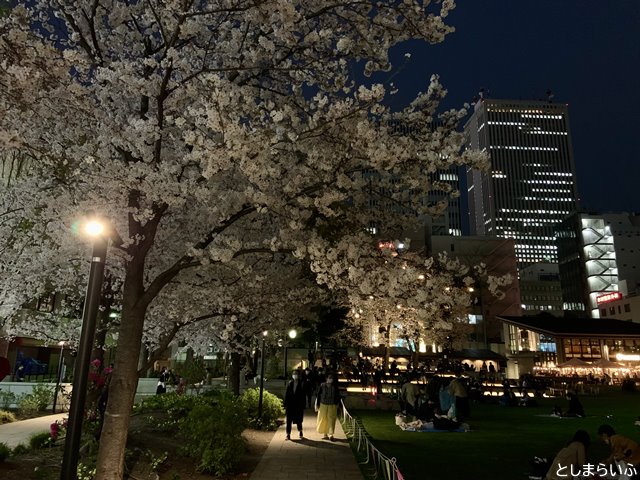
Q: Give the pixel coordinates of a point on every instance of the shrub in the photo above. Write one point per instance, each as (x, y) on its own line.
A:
(212, 433)
(177, 406)
(6, 417)
(272, 409)
(85, 472)
(58, 429)
(5, 451)
(20, 450)
(43, 395)
(27, 404)
(40, 440)
(7, 399)
(193, 370)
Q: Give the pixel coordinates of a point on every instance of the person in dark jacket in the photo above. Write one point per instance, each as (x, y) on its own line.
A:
(295, 399)
(575, 407)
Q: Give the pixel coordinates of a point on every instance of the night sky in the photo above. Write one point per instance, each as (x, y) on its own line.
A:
(587, 52)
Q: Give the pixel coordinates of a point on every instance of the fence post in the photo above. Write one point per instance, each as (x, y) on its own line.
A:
(380, 462)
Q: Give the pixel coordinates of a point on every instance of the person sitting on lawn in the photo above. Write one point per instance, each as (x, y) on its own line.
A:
(575, 408)
(508, 398)
(622, 448)
(410, 395)
(573, 455)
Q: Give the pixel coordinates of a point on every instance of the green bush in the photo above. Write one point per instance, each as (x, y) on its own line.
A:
(212, 434)
(177, 406)
(27, 404)
(5, 451)
(7, 399)
(272, 409)
(43, 395)
(40, 440)
(36, 401)
(20, 450)
(193, 370)
(6, 417)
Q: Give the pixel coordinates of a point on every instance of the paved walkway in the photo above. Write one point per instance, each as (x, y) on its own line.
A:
(311, 458)
(16, 433)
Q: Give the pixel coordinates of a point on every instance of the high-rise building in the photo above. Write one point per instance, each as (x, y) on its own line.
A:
(599, 260)
(531, 186)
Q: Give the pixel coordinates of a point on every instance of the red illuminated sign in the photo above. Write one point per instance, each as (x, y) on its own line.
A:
(609, 297)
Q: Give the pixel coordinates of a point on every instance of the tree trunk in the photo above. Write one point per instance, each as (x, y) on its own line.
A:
(4, 346)
(122, 390)
(387, 348)
(234, 374)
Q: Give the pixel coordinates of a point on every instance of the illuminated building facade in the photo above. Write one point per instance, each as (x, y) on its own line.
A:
(540, 289)
(620, 307)
(382, 189)
(599, 258)
(531, 186)
(546, 341)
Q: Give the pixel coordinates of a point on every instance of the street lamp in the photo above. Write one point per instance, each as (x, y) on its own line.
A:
(292, 334)
(97, 231)
(58, 377)
(264, 335)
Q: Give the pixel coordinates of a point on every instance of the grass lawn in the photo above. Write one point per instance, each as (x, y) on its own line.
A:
(502, 440)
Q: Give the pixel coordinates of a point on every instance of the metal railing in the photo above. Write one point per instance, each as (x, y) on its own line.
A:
(378, 465)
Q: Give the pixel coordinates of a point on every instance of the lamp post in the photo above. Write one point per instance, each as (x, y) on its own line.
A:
(58, 377)
(264, 335)
(292, 334)
(96, 230)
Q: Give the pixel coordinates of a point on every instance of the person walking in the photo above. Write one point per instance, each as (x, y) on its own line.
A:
(294, 402)
(327, 402)
(309, 382)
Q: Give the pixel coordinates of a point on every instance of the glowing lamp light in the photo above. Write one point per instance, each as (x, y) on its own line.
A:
(470, 290)
(94, 228)
(420, 277)
(265, 333)
(293, 334)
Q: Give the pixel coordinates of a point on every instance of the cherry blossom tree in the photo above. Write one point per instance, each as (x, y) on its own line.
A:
(206, 134)
(406, 296)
